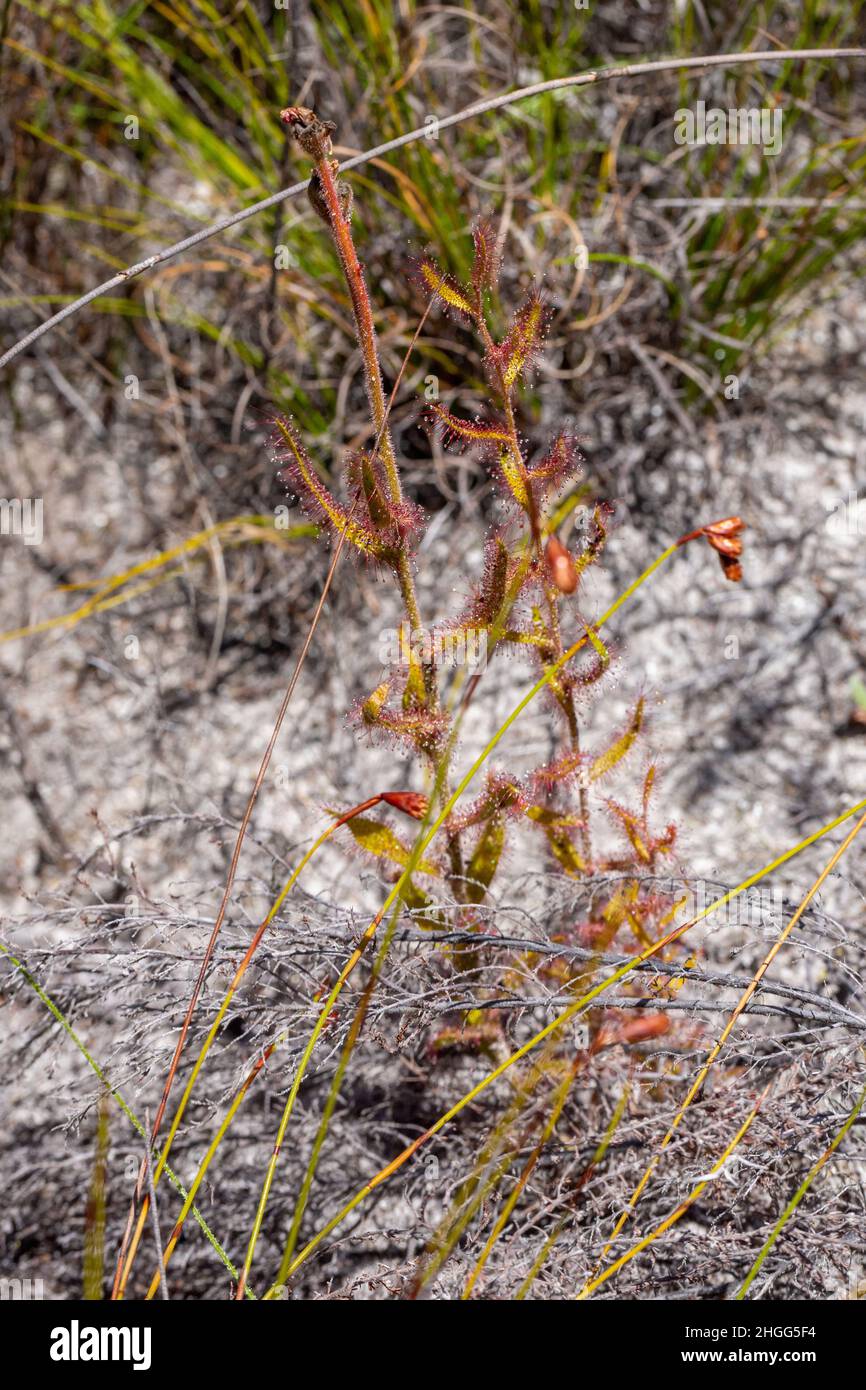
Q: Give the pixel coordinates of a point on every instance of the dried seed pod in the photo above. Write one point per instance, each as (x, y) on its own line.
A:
(319, 201)
(560, 566)
(316, 196)
(313, 135)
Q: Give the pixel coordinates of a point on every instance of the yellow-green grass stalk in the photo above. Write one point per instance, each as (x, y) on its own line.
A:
(208, 1043)
(681, 1210)
(560, 1097)
(797, 1198)
(490, 1168)
(234, 530)
(94, 1212)
(579, 1004)
(116, 1095)
(334, 1091)
(357, 1023)
(324, 1123)
(424, 839)
(541, 1257)
(229, 1116)
(713, 1054)
(127, 1259)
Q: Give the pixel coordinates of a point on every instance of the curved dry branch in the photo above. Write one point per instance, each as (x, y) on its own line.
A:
(477, 108)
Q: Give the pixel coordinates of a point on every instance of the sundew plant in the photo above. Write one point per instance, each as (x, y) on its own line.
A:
(528, 598)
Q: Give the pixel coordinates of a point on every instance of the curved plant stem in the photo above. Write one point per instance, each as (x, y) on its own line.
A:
(590, 1168)
(341, 231)
(218, 1020)
(255, 528)
(125, 1260)
(488, 1171)
(115, 1094)
(125, 1265)
(127, 1252)
(167, 1253)
(560, 1097)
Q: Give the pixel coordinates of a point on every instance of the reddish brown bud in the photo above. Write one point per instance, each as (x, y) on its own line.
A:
(560, 566)
(297, 116)
(732, 569)
(633, 1030)
(728, 527)
(724, 537)
(410, 803)
(727, 545)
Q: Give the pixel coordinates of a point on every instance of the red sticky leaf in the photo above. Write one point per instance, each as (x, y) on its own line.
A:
(485, 268)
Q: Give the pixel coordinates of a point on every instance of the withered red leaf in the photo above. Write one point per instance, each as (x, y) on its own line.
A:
(724, 537)
(727, 545)
(732, 569)
(729, 526)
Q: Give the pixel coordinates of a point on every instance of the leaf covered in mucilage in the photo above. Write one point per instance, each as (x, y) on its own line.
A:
(514, 356)
(608, 760)
(445, 287)
(298, 471)
(467, 432)
(379, 840)
(485, 266)
(485, 858)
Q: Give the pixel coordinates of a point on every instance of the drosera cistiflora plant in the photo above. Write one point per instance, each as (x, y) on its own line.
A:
(528, 594)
